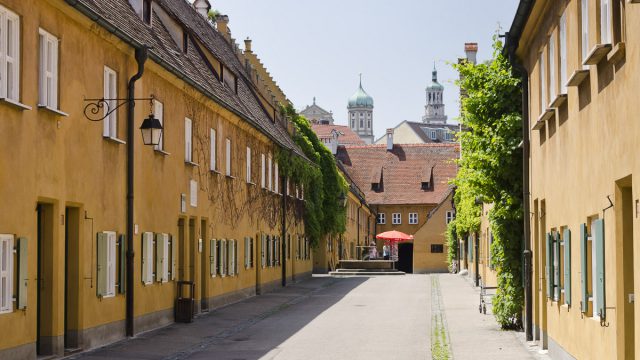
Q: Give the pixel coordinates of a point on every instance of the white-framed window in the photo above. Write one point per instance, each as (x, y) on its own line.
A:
(433, 134)
(188, 140)
(584, 30)
(6, 273)
(605, 22)
(248, 164)
(158, 113)
(9, 55)
(263, 171)
(213, 257)
(562, 31)
(543, 83)
(162, 258)
(413, 218)
(270, 171)
(228, 157)
(449, 216)
(552, 67)
(396, 218)
(147, 258)
(276, 186)
(48, 94)
(361, 123)
(213, 153)
(110, 123)
(106, 273)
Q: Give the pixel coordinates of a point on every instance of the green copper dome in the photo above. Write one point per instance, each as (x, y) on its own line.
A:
(435, 85)
(360, 98)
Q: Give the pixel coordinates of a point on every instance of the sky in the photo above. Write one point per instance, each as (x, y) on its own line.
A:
(318, 48)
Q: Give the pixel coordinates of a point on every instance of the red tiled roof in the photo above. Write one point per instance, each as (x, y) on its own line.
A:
(347, 136)
(403, 169)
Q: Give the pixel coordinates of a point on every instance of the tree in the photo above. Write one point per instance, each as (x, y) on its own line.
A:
(491, 168)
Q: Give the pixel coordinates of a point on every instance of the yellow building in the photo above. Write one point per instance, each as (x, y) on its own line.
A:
(407, 186)
(581, 59)
(208, 199)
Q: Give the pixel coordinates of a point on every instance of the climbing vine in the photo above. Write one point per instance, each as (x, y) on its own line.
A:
(491, 170)
(319, 179)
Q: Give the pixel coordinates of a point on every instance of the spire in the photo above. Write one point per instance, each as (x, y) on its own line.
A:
(314, 100)
(360, 80)
(434, 74)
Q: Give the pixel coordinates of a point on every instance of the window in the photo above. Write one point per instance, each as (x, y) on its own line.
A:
(432, 134)
(188, 138)
(222, 254)
(231, 256)
(162, 258)
(228, 157)
(213, 150)
(229, 80)
(437, 248)
(276, 187)
(48, 95)
(381, 219)
(618, 21)
(396, 218)
(110, 122)
(563, 53)
(361, 123)
(413, 218)
(450, 216)
(146, 11)
(248, 164)
(158, 113)
(106, 264)
(369, 124)
(193, 193)
(353, 123)
(9, 55)
(248, 252)
(543, 83)
(605, 22)
(263, 169)
(584, 28)
(552, 68)
(270, 169)
(263, 250)
(213, 257)
(6, 273)
(147, 258)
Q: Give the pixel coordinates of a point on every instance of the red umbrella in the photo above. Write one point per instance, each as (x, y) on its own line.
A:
(394, 236)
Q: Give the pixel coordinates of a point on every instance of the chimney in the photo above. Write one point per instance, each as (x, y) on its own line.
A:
(222, 24)
(247, 45)
(389, 139)
(471, 50)
(202, 7)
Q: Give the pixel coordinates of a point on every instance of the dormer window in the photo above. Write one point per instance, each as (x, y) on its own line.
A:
(185, 41)
(426, 185)
(146, 11)
(432, 135)
(229, 80)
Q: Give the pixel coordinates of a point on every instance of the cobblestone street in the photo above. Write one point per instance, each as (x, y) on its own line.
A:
(344, 318)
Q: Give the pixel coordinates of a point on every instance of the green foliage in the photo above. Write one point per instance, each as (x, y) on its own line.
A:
(322, 182)
(491, 169)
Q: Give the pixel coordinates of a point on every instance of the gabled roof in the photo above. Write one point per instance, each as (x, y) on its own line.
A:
(347, 136)
(420, 129)
(314, 109)
(402, 171)
(118, 16)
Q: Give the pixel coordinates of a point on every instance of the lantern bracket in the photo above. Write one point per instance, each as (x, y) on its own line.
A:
(100, 109)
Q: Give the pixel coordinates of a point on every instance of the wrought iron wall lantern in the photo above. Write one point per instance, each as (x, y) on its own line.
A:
(100, 109)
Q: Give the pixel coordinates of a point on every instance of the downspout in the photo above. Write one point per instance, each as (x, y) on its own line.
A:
(358, 231)
(476, 244)
(284, 231)
(141, 57)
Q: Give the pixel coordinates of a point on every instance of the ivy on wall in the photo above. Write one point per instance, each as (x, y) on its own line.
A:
(491, 168)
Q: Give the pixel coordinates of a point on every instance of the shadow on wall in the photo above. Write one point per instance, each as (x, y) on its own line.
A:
(229, 332)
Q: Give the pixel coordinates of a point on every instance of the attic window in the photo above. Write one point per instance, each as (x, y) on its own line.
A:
(146, 11)
(426, 185)
(427, 178)
(229, 80)
(185, 41)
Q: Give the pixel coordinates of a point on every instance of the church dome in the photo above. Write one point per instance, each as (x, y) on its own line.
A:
(360, 98)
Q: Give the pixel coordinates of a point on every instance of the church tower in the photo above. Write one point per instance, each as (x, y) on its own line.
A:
(434, 110)
(361, 114)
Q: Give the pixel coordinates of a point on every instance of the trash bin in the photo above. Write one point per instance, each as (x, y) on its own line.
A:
(185, 305)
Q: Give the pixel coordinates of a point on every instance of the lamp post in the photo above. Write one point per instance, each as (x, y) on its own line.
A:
(98, 110)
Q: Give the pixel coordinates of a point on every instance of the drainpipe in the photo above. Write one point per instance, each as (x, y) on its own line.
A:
(284, 231)
(359, 250)
(477, 258)
(141, 58)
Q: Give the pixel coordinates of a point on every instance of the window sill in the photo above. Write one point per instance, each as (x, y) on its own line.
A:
(191, 163)
(229, 176)
(578, 77)
(55, 111)
(17, 104)
(558, 101)
(597, 54)
(215, 172)
(546, 115)
(114, 140)
(617, 53)
(161, 152)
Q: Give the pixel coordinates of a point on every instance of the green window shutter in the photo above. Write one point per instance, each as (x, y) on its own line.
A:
(246, 252)
(23, 278)
(101, 276)
(567, 266)
(584, 304)
(122, 241)
(263, 255)
(212, 258)
(549, 265)
(556, 267)
(174, 256)
(599, 282)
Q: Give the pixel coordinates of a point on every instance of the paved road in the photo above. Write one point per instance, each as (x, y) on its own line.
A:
(322, 318)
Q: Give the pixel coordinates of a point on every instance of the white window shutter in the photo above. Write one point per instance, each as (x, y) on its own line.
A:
(54, 72)
(158, 113)
(276, 179)
(263, 175)
(6, 273)
(248, 164)
(187, 140)
(111, 263)
(270, 172)
(12, 53)
(42, 73)
(228, 157)
(223, 258)
(212, 149)
(3, 55)
(106, 123)
(147, 258)
(102, 264)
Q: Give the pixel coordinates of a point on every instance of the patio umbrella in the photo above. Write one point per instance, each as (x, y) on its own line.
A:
(394, 236)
